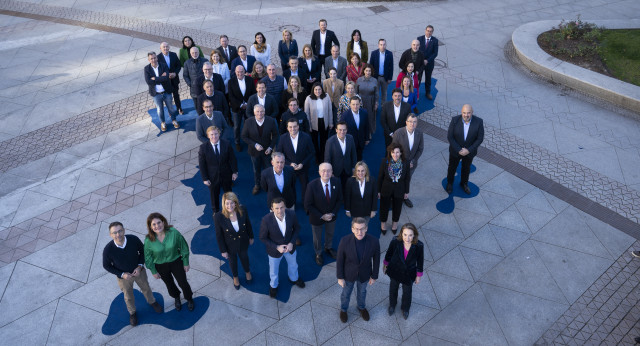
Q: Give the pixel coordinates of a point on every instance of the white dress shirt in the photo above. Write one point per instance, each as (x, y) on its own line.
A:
(282, 224)
(410, 137)
(343, 144)
(279, 179)
(323, 38)
(361, 185)
(159, 88)
(466, 128)
(294, 142)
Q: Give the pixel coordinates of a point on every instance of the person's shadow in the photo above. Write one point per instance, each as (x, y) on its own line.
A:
(447, 205)
(187, 121)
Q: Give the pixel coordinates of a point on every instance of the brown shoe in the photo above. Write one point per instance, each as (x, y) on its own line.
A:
(256, 190)
(176, 125)
(364, 314)
(343, 316)
(133, 319)
(429, 97)
(163, 127)
(156, 307)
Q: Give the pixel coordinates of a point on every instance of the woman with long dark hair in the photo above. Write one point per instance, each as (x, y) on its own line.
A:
(318, 108)
(357, 45)
(260, 49)
(394, 177)
(183, 54)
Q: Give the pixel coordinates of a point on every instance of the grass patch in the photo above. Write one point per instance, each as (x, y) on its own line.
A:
(620, 52)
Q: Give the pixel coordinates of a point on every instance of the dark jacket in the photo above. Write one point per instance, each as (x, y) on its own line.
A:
(285, 52)
(237, 61)
(388, 117)
(271, 236)
(236, 98)
(374, 61)
(314, 72)
(430, 52)
(284, 104)
(455, 135)
(174, 66)
(316, 204)
(271, 106)
(217, 169)
(349, 268)
(356, 204)
(192, 70)
(302, 75)
(303, 121)
(228, 239)
(386, 187)
(400, 136)
(329, 42)
(233, 53)
(305, 151)
(162, 80)
(341, 162)
(268, 184)
(405, 58)
(218, 83)
(219, 103)
(251, 136)
(401, 269)
(360, 134)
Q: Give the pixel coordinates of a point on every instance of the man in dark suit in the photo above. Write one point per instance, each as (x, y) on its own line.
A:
(413, 55)
(209, 117)
(279, 231)
(429, 48)
(208, 74)
(293, 70)
(243, 59)
(218, 166)
(260, 133)
(381, 62)
(192, 70)
(171, 60)
(337, 62)
(322, 40)
(241, 88)
(412, 142)
(160, 88)
(228, 52)
(340, 152)
(322, 201)
(393, 116)
(279, 181)
(271, 107)
(298, 151)
(357, 125)
(466, 133)
(358, 262)
(220, 103)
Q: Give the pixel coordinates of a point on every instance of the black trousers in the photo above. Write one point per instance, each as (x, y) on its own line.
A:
(406, 294)
(319, 139)
(303, 176)
(427, 71)
(464, 171)
(233, 261)
(195, 103)
(214, 193)
(343, 179)
(176, 95)
(359, 151)
(175, 269)
(385, 203)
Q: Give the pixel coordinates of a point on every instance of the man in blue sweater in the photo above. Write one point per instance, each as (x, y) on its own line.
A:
(124, 257)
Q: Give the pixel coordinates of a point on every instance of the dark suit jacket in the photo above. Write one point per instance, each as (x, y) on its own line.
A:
(217, 169)
(285, 52)
(341, 69)
(356, 204)
(388, 117)
(268, 183)
(302, 74)
(405, 58)
(233, 53)
(271, 236)
(349, 268)
(304, 153)
(386, 187)
(374, 61)
(316, 204)
(329, 42)
(174, 66)
(401, 269)
(271, 107)
(219, 103)
(284, 104)
(236, 99)
(314, 72)
(400, 136)
(251, 136)
(218, 83)
(303, 121)
(360, 135)
(228, 239)
(455, 135)
(341, 162)
(163, 80)
(237, 61)
(430, 52)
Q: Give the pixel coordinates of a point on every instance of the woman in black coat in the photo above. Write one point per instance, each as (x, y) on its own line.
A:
(403, 264)
(234, 235)
(361, 193)
(394, 177)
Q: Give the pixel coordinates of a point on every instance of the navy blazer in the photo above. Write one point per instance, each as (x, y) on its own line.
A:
(251, 136)
(388, 117)
(271, 107)
(316, 204)
(430, 51)
(349, 268)
(217, 169)
(228, 239)
(271, 236)
(233, 53)
(404, 270)
(314, 72)
(341, 162)
(220, 103)
(174, 66)
(237, 61)
(284, 53)
(455, 135)
(218, 83)
(386, 187)
(162, 80)
(236, 99)
(302, 74)
(360, 135)
(360, 205)
(304, 153)
(330, 41)
(405, 58)
(388, 64)
(268, 184)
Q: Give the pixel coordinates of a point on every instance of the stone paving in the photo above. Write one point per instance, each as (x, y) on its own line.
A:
(513, 265)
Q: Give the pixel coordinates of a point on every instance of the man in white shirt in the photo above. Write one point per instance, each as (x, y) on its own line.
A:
(337, 62)
(160, 88)
(322, 40)
(340, 152)
(411, 140)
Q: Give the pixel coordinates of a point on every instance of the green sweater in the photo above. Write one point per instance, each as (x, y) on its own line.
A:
(173, 247)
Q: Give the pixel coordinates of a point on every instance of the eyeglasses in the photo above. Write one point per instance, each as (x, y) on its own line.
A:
(120, 231)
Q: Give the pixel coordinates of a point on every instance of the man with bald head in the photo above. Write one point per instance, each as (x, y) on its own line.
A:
(171, 60)
(192, 72)
(322, 201)
(413, 55)
(466, 133)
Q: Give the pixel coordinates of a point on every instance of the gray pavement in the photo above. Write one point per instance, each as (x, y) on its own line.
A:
(508, 266)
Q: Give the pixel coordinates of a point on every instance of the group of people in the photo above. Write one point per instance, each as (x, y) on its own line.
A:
(287, 123)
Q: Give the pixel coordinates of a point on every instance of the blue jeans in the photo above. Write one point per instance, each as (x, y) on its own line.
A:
(237, 126)
(361, 294)
(166, 98)
(274, 268)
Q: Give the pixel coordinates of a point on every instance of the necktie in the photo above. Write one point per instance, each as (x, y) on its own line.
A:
(226, 52)
(217, 152)
(326, 193)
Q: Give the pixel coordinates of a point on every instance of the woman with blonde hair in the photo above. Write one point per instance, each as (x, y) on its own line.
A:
(287, 47)
(361, 193)
(220, 67)
(350, 91)
(294, 90)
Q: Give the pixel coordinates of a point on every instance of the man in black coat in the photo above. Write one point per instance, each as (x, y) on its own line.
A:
(218, 166)
(466, 133)
(271, 107)
(171, 60)
(216, 97)
(394, 115)
(293, 70)
(340, 152)
(357, 125)
(208, 74)
(298, 151)
(279, 231)
(429, 48)
(241, 87)
(322, 40)
(322, 202)
(124, 258)
(279, 181)
(413, 55)
(261, 134)
(227, 51)
(357, 264)
(160, 88)
(412, 142)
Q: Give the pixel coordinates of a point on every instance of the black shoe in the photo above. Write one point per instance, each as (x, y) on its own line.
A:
(238, 147)
(156, 307)
(408, 203)
(391, 310)
(405, 314)
(191, 304)
(465, 188)
(343, 316)
(364, 314)
(429, 97)
(449, 188)
(331, 253)
(637, 339)
(319, 260)
(250, 279)
(394, 231)
(383, 231)
(178, 304)
(273, 291)
(133, 319)
(298, 283)
(256, 190)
